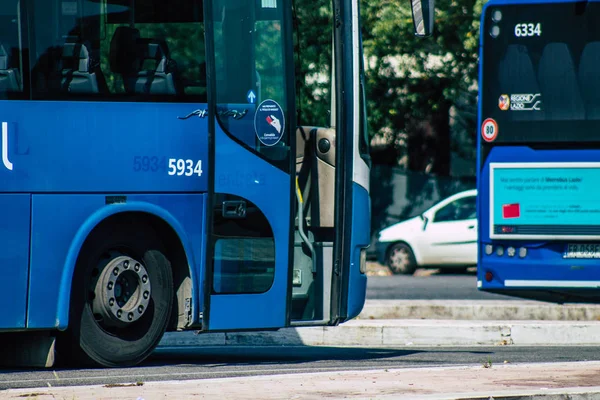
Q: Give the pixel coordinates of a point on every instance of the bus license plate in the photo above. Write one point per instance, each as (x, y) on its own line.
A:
(582, 250)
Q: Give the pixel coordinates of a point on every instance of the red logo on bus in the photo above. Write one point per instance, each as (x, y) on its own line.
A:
(511, 210)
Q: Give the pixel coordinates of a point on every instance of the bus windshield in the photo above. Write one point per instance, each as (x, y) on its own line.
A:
(540, 72)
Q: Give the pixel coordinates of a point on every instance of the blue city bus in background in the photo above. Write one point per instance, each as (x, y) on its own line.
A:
(155, 176)
(538, 150)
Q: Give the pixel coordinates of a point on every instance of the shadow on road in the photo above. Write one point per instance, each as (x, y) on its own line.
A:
(284, 354)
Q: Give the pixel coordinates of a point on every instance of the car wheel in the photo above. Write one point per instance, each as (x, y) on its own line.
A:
(401, 259)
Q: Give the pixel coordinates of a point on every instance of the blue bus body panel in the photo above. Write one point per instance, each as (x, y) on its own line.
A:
(544, 261)
(14, 258)
(92, 148)
(269, 190)
(361, 227)
(60, 224)
(101, 147)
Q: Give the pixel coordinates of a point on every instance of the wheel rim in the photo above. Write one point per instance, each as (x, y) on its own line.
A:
(120, 290)
(400, 259)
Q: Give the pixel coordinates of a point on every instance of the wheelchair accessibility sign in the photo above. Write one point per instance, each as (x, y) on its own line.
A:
(269, 122)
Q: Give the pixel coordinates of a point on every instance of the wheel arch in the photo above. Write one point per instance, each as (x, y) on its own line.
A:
(177, 249)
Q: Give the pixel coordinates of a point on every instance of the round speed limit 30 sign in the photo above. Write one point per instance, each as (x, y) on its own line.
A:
(489, 130)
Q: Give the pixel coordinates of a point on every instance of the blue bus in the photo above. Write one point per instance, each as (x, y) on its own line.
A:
(157, 176)
(538, 156)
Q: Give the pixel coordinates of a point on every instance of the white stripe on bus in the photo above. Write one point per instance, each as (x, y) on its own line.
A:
(536, 283)
(5, 159)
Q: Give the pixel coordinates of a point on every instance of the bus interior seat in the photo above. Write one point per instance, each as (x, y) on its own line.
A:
(516, 75)
(589, 79)
(80, 73)
(558, 81)
(156, 75)
(9, 77)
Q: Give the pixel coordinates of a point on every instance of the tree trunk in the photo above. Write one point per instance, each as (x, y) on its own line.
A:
(441, 129)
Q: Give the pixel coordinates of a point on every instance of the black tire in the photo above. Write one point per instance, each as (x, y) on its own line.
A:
(94, 339)
(400, 259)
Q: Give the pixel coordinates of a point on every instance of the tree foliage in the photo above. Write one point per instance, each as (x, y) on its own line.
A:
(313, 52)
(422, 91)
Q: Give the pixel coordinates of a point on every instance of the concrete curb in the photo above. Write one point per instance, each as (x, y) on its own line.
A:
(399, 333)
(385, 323)
(481, 310)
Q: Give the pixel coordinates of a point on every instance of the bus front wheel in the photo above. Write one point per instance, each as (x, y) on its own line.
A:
(121, 298)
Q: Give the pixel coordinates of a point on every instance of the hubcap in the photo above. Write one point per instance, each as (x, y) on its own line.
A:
(399, 259)
(122, 291)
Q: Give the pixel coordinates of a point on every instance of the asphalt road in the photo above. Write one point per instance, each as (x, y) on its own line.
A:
(203, 363)
(438, 286)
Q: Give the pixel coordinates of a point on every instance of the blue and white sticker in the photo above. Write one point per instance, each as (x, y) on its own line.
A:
(269, 122)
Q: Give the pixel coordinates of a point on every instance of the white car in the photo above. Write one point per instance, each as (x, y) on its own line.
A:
(444, 236)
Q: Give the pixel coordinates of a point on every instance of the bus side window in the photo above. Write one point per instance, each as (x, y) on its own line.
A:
(10, 52)
(141, 50)
(150, 62)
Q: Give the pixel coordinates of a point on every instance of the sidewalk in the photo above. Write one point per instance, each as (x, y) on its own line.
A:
(574, 381)
(399, 333)
(392, 323)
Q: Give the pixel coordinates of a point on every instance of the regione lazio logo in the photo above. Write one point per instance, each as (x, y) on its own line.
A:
(504, 102)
